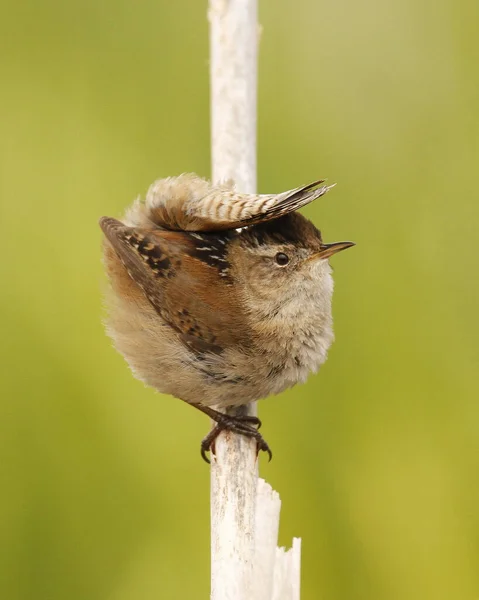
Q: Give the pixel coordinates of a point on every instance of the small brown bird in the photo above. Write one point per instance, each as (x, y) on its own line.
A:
(219, 298)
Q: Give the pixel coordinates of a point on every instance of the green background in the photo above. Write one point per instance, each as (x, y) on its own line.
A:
(102, 491)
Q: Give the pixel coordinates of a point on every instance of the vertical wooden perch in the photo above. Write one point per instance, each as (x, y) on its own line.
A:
(245, 562)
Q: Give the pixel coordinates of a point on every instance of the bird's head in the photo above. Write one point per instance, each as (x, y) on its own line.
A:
(282, 261)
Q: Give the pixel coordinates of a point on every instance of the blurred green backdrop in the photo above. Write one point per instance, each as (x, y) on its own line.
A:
(377, 457)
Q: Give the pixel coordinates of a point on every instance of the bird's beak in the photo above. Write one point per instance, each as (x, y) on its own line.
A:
(328, 250)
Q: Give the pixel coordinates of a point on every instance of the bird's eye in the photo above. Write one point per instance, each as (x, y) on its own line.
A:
(282, 259)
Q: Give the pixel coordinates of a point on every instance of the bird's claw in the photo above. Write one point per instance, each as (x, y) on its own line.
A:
(243, 425)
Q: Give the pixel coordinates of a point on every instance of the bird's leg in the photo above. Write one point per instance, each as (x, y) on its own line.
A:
(243, 424)
(208, 443)
(220, 417)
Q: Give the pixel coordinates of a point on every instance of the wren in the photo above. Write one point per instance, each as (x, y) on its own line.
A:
(219, 298)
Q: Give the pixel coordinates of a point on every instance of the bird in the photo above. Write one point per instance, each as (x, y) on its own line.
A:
(217, 297)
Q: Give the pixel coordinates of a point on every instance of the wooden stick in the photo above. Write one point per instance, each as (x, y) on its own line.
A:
(245, 563)
(233, 54)
(233, 75)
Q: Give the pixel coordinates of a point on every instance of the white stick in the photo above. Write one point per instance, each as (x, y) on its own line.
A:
(234, 64)
(245, 563)
(233, 54)
(268, 506)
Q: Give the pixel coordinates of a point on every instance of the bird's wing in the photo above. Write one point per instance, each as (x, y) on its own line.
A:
(189, 203)
(186, 291)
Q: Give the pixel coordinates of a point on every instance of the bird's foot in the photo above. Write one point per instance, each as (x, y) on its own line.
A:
(243, 424)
